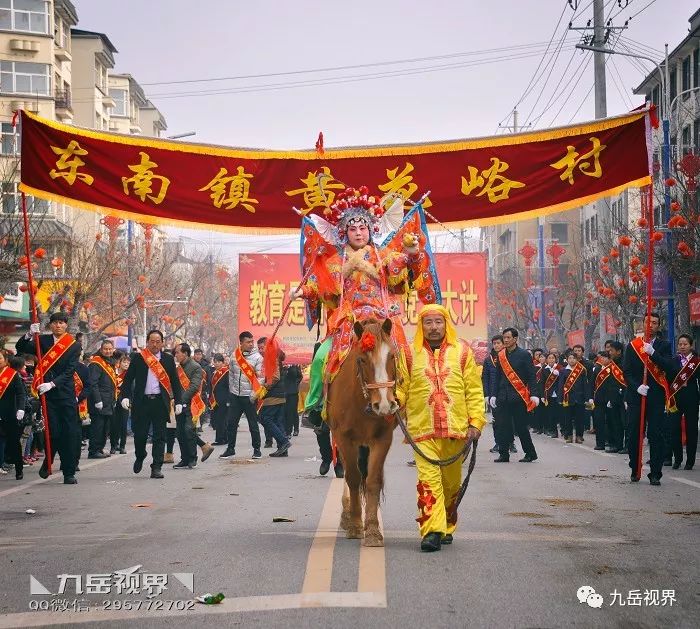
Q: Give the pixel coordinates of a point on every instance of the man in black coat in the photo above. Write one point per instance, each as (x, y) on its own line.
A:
(219, 399)
(101, 398)
(683, 373)
(655, 394)
(60, 356)
(13, 399)
(152, 390)
(513, 405)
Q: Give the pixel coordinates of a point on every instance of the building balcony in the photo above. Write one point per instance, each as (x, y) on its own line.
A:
(62, 54)
(63, 99)
(107, 101)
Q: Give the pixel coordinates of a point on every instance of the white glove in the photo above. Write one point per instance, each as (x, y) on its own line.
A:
(294, 293)
(99, 405)
(590, 402)
(492, 402)
(125, 404)
(625, 403)
(34, 328)
(20, 415)
(178, 409)
(45, 387)
(543, 400)
(555, 372)
(609, 405)
(535, 399)
(648, 348)
(643, 389)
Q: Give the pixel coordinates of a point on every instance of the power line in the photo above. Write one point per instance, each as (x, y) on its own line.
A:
(623, 93)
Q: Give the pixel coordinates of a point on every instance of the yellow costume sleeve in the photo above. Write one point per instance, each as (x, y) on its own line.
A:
(403, 380)
(473, 392)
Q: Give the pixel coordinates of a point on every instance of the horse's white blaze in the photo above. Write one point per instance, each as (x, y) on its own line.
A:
(381, 375)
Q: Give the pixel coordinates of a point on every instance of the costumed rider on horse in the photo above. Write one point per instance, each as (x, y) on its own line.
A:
(358, 261)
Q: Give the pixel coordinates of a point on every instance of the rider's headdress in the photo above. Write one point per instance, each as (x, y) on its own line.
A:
(352, 206)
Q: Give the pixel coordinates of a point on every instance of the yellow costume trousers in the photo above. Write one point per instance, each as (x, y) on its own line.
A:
(437, 486)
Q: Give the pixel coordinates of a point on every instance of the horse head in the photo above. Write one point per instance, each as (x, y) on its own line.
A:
(376, 365)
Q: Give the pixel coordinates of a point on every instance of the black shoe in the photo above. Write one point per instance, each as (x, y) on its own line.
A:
(113, 451)
(77, 468)
(44, 470)
(513, 449)
(19, 475)
(654, 480)
(411, 463)
(97, 455)
(268, 444)
(446, 539)
(430, 543)
(610, 450)
(227, 454)
(295, 433)
(502, 459)
(668, 463)
(156, 473)
(676, 465)
(282, 450)
(323, 469)
(70, 480)
(122, 450)
(554, 435)
(528, 458)
(138, 465)
(688, 466)
(257, 454)
(339, 471)
(182, 466)
(599, 448)
(218, 443)
(634, 478)
(494, 450)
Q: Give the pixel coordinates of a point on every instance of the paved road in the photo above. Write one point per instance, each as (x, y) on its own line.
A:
(530, 536)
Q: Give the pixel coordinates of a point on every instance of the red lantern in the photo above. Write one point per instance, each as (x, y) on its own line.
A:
(657, 236)
(670, 182)
(675, 206)
(614, 253)
(57, 262)
(643, 222)
(40, 253)
(595, 311)
(633, 299)
(605, 259)
(624, 241)
(635, 261)
(142, 278)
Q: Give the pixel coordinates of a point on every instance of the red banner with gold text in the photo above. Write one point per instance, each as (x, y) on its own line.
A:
(264, 281)
(482, 181)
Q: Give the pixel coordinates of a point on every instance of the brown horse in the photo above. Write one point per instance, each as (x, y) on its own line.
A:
(360, 400)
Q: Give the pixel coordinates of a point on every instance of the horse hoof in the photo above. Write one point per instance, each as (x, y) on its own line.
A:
(354, 532)
(373, 540)
(344, 522)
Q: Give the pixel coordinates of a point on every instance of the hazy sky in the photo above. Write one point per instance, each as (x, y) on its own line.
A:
(163, 41)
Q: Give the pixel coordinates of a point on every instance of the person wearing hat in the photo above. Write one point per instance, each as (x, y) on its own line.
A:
(60, 356)
(440, 389)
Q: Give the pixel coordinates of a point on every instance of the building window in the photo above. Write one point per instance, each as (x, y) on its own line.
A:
(696, 67)
(20, 77)
(121, 102)
(560, 233)
(685, 77)
(30, 16)
(588, 230)
(686, 141)
(11, 200)
(594, 227)
(673, 87)
(655, 100)
(7, 140)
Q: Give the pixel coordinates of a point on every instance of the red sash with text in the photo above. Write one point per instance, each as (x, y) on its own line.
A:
(652, 368)
(82, 405)
(109, 370)
(683, 377)
(6, 376)
(249, 372)
(158, 370)
(515, 380)
(571, 381)
(549, 383)
(617, 373)
(540, 372)
(218, 374)
(197, 404)
(50, 358)
(602, 376)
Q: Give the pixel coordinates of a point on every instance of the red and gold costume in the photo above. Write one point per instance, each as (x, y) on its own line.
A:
(442, 394)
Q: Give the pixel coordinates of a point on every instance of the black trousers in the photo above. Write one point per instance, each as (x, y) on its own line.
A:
(186, 436)
(117, 428)
(218, 421)
(170, 435)
(65, 432)
(655, 419)
(238, 405)
(691, 433)
(151, 414)
(99, 425)
(291, 404)
(599, 425)
(513, 417)
(575, 417)
(553, 410)
(13, 447)
(537, 418)
(614, 426)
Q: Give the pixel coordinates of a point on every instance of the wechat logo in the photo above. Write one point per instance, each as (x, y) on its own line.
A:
(586, 594)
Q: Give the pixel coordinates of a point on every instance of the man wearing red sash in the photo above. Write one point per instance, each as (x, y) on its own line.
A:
(219, 399)
(537, 417)
(60, 356)
(13, 397)
(101, 398)
(152, 382)
(655, 392)
(515, 395)
(604, 390)
(615, 415)
(120, 417)
(683, 371)
(574, 393)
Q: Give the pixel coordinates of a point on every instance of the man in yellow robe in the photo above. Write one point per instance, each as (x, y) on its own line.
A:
(440, 389)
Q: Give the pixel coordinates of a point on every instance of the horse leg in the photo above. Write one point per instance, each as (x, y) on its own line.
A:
(373, 487)
(351, 520)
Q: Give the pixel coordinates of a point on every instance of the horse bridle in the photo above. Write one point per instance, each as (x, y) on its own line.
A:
(366, 388)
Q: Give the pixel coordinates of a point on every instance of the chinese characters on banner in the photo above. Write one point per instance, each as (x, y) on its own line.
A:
(265, 280)
(483, 181)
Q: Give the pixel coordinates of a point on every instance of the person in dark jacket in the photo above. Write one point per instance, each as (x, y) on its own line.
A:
(514, 365)
(538, 415)
(633, 367)
(81, 378)
(154, 389)
(272, 411)
(615, 417)
(488, 380)
(101, 398)
(575, 395)
(683, 373)
(13, 399)
(292, 376)
(60, 357)
(604, 391)
(219, 399)
(550, 398)
(186, 430)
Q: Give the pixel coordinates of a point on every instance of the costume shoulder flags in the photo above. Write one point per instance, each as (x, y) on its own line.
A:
(158, 370)
(50, 358)
(571, 380)
(652, 368)
(682, 377)
(6, 376)
(602, 376)
(79, 386)
(109, 370)
(218, 374)
(197, 401)
(249, 372)
(515, 380)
